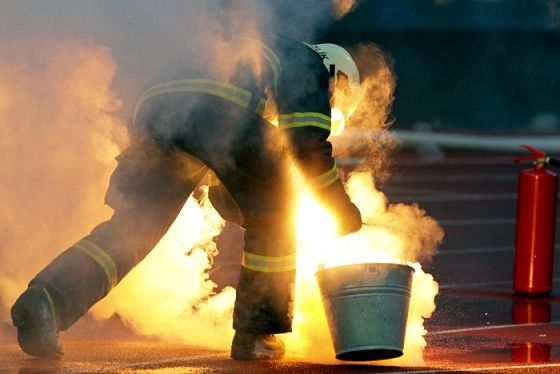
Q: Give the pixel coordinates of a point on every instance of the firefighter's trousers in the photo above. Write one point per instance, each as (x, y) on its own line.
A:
(175, 139)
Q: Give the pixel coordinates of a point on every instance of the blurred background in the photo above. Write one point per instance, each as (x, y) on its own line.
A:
(466, 65)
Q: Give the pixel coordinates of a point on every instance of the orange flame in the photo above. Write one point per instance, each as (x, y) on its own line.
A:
(376, 242)
(170, 295)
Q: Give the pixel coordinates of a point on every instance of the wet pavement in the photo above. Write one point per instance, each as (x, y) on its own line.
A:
(479, 320)
(480, 325)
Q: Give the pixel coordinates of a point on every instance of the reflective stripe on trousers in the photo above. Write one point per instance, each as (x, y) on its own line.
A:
(101, 258)
(268, 264)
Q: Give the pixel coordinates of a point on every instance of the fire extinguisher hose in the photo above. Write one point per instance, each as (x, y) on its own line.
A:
(553, 161)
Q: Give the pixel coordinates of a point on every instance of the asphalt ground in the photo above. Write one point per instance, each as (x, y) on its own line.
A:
(480, 324)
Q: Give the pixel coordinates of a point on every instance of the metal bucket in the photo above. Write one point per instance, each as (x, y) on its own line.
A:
(367, 308)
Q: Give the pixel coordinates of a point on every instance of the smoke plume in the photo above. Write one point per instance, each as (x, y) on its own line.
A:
(58, 139)
(367, 131)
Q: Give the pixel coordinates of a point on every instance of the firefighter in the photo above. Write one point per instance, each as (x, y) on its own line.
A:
(182, 129)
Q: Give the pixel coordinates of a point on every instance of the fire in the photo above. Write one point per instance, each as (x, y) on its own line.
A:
(170, 295)
(375, 242)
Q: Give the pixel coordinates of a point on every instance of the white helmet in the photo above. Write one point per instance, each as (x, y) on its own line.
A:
(343, 69)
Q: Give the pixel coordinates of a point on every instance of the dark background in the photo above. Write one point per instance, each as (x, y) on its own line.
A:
(471, 65)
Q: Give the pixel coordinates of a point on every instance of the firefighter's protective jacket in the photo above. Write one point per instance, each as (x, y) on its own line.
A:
(295, 83)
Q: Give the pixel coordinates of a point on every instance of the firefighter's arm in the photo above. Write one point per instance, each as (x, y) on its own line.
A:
(313, 155)
(303, 105)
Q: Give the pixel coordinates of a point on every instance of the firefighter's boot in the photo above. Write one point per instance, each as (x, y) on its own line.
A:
(247, 346)
(38, 322)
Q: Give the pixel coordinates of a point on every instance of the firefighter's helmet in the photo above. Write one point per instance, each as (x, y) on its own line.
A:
(345, 73)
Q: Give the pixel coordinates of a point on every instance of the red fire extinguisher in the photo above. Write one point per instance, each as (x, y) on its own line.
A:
(536, 223)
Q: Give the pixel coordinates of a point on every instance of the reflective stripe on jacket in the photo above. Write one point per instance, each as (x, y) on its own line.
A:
(299, 84)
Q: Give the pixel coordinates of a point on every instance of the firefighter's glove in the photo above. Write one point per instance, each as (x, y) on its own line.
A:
(349, 219)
